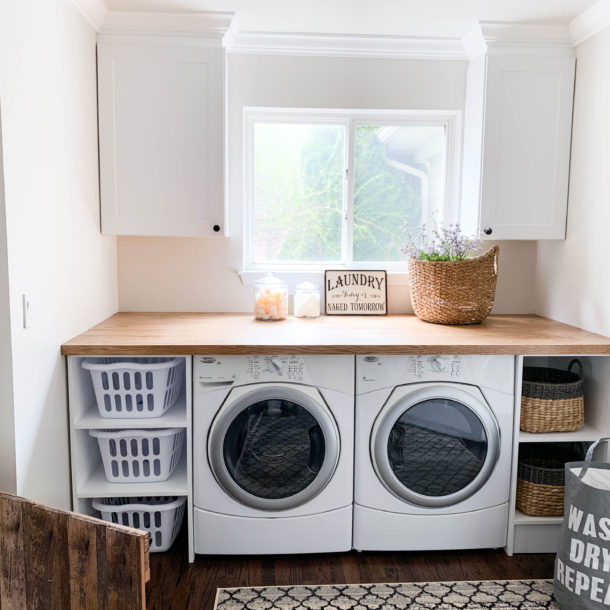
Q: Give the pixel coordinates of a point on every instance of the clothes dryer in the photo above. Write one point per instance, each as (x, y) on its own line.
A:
(434, 438)
(273, 454)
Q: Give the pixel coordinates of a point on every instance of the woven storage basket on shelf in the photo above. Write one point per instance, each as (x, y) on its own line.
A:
(552, 399)
(541, 479)
(454, 292)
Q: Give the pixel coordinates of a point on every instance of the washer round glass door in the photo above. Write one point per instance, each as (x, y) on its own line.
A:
(274, 448)
(436, 446)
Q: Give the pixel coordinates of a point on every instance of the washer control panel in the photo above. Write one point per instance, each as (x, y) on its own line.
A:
(248, 369)
(266, 368)
(215, 369)
(442, 365)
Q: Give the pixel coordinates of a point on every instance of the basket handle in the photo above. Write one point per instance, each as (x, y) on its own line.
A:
(589, 456)
(579, 363)
(493, 252)
(151, 366)
(496, 250)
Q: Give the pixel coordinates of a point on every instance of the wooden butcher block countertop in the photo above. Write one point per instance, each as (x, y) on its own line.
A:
(199, 333)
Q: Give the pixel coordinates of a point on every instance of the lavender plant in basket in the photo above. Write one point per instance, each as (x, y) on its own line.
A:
(447, 284)
(438, 243)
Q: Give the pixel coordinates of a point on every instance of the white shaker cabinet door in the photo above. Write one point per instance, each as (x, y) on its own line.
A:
(161, 113)
(526, 147)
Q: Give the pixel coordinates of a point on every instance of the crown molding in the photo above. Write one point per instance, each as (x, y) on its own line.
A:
(595, 19)
(488, 37)
(345, 45)
(510, 38)
(209, 24)
(94, 11)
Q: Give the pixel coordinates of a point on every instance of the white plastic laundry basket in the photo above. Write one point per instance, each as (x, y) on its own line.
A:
(138, 387)
(140, 456)
(161, 517)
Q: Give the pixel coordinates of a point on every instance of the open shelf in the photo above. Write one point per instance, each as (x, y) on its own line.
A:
(587, 433)
(541, 534)
(523, 519)
(98, 486)
(174, 418)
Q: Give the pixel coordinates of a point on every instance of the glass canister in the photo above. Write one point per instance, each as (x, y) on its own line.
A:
(307, 300)
(270, 298)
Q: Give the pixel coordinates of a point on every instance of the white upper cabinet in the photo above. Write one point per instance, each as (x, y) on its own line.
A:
(517, 141)
(161, 133)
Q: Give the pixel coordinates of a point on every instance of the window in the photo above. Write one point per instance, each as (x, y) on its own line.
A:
(334, 188)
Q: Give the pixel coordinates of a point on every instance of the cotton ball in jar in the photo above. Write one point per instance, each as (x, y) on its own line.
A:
(270, 298)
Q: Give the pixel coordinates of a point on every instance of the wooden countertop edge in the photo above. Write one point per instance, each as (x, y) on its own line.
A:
(141, 333)
(193, 350)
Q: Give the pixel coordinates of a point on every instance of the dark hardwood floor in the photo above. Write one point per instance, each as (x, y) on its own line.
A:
(176, 585)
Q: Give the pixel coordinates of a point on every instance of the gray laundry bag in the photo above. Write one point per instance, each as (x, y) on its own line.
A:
(582, 566)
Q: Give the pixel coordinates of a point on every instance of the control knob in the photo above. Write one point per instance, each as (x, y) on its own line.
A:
(438, 365)
(276, 365)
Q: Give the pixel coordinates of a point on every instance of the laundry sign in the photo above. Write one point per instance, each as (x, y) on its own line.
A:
(356, 292)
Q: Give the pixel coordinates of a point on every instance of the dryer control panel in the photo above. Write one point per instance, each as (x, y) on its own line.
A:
(381, 371)
(385, 371)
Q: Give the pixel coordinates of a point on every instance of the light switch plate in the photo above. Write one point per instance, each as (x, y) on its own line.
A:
(26, 311)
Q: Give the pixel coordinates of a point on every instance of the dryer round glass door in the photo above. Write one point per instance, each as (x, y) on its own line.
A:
(274, 448)
(436, 446)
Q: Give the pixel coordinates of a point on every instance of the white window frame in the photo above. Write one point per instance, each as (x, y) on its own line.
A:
(450, 119)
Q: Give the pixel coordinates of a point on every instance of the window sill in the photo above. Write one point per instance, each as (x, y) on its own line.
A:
(294, 277)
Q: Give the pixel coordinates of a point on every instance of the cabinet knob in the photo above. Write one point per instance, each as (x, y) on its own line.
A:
(488, 231)
(216, 228)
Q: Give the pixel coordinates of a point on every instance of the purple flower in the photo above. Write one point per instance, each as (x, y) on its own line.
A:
(438, 242)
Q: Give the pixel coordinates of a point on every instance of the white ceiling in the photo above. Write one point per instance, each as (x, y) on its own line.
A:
(429, 18)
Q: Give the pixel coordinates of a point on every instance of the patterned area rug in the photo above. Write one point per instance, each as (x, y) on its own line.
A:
(465, 595)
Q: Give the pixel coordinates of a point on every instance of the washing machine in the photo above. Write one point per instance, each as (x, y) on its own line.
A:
(273, 455)
(434, 437)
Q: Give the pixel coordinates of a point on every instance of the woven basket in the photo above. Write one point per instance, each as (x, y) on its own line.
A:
(552, 399)
(541, 479)
(454, 292)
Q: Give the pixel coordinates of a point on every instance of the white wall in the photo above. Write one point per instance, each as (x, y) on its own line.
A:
(55, 251)
(8, 469)
(572, 277)
(160, 274)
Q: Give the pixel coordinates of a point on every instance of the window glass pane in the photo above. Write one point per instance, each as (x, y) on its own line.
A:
(398, 178)
(298, 192)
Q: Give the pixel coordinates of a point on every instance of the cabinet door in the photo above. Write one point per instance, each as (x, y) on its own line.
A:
(161, 138)
(526, 146)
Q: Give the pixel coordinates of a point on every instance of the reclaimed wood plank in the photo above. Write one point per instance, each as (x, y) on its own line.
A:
(12, 556)
(102, 570)
(51, 558)
(83, 555)
(126, 590)
(46, 555)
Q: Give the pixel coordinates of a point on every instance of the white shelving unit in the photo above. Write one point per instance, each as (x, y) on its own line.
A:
(527, 534)
(88, 478)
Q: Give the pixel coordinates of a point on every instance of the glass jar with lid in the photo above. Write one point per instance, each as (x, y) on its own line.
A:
(270, 298)
(306, 300)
